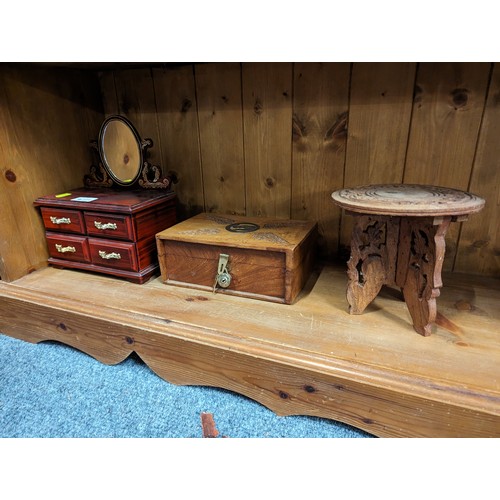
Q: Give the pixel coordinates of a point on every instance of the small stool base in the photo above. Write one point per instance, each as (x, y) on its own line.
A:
(404, 251)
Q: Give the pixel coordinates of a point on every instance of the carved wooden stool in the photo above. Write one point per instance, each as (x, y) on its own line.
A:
(398, 239)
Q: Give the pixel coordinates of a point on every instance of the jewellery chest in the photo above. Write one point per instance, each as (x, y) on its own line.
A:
(105, 230)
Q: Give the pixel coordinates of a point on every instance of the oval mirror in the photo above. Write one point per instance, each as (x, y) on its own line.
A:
(120, 150)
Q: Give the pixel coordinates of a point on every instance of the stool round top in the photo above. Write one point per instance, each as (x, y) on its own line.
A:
(407, 199)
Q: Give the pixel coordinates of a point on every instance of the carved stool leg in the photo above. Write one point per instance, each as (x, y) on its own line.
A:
(420, 261)
(372, 261)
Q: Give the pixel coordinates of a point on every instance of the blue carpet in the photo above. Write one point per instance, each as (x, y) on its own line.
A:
(52, 390)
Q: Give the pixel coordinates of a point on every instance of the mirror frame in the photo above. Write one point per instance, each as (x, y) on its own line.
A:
(140, 145)
(149, 176)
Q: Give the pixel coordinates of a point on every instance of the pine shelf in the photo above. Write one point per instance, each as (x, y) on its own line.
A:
(372, 371)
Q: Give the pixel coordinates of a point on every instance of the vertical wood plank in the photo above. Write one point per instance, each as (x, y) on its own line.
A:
(447, 109)
(267, 122)
(479, 244)
(178, 126)
(218, 88)
(379, 120)
(448, 105)
(108, 93)
(136, 101)
(20, 251)
(321, 93)
(44, 132)
(93, 111)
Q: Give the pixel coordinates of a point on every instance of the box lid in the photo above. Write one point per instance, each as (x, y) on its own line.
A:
(240, 232)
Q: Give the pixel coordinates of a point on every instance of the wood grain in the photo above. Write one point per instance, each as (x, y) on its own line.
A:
(178, 127)
(267, 123)
(378, 132)
(109, 97)
(127, 247)
(447, 109)
(218, 89)
(208, 425)
(252, 273)
(272, 262)
(379, 119)
(93, 109)
(420, 259)
(43, 130)
(320, 106)
(309, 358)
(408, 200)
(269, 234)
(135, 95)
(479, 244)
(48, 106)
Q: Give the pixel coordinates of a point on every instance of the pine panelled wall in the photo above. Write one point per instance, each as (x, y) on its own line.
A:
(276, 139)
(273, 140)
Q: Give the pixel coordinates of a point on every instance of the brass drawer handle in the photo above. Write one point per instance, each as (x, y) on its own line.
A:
(62, 220)
(112, 255)
(62, 249)
(104, 226)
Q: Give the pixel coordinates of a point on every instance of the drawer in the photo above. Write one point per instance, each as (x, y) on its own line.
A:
(60, 220)
(116, 254)
(74, 248)
(109, 226)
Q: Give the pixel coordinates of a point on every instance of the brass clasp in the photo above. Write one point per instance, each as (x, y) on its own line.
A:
(223, 278)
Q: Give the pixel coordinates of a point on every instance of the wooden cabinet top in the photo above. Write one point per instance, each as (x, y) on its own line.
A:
(107, 200)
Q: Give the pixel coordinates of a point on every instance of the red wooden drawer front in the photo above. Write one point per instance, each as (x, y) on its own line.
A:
(67, 247)
(120, 255)
(67, 221)
(109, 226)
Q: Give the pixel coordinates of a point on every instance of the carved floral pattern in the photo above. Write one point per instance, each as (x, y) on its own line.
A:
(274, 238)
(399, 199)
(155, 183)
(98, 177)
(368, 266)
(423, 249)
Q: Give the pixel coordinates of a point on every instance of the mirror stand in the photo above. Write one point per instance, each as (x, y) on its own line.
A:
(120, 159)
(98, 176)
(158, 181)
(151, 176)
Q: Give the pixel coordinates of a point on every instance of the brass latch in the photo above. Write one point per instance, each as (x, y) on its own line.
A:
(223, 278)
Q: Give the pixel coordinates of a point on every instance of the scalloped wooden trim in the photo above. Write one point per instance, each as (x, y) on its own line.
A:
(379, 400)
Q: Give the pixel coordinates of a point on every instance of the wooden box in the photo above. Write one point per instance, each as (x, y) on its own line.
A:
(107, 231)
(268, 259)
